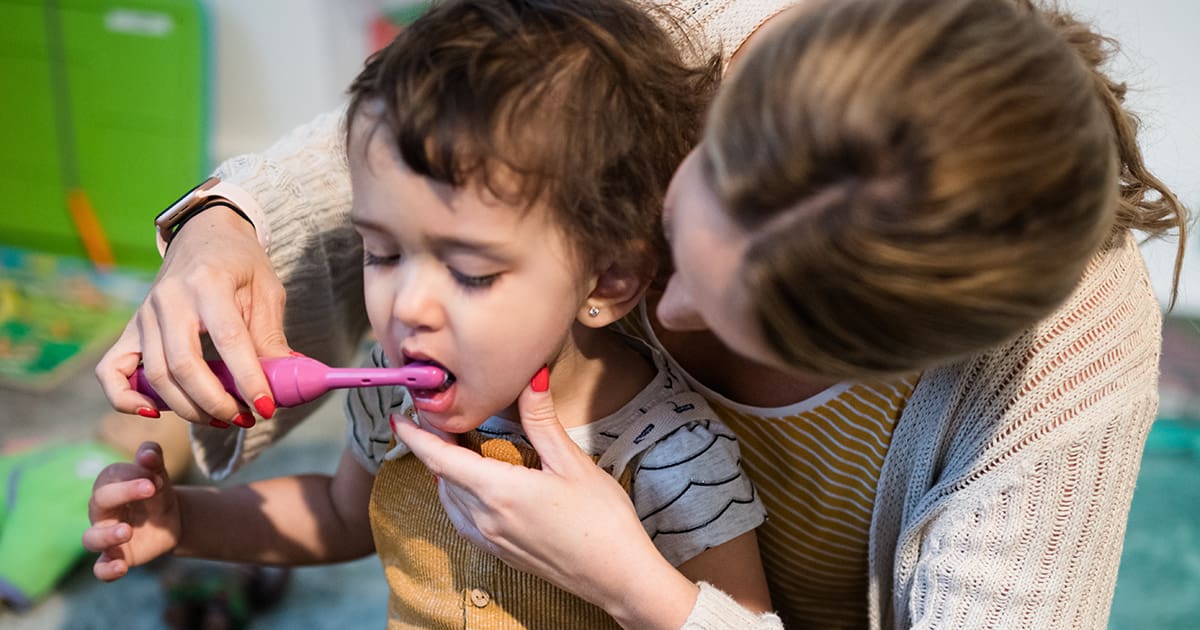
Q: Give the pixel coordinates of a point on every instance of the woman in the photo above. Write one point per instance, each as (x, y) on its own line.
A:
(908, 226)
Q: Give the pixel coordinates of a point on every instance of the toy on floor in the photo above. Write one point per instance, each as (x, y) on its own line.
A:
(205, 595)
(44, 492)
(43, 497)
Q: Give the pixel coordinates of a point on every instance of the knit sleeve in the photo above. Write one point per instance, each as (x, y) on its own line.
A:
(715, 610)
(717, 27)
(1036, 547)
(1019, 475)
(302, 185)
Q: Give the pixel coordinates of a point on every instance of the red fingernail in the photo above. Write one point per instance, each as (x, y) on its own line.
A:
(244, 419)
(296, 354)
(147, 412)
(541, 380)
(218, 424)
(265, 405)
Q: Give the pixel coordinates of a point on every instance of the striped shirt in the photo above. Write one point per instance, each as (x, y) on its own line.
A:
(832, 445)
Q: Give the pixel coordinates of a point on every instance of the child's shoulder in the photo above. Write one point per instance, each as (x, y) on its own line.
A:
(686, 481)
(682, 426)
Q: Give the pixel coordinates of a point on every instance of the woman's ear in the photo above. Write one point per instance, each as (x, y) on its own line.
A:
(618, 289)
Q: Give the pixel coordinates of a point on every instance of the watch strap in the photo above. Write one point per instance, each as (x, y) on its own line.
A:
(226, 194)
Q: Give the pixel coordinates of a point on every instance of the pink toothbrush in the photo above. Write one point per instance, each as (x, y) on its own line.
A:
(297, 380)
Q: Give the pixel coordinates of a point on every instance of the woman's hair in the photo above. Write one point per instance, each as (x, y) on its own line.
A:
(584, 105)
(922, 179)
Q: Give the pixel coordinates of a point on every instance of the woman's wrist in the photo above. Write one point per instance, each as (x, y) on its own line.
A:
(659, 597)
(221, 215)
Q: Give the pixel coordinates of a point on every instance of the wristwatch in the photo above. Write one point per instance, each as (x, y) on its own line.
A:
(210, 193)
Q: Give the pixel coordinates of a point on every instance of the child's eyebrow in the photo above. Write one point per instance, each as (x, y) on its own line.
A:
(448, 245)
(444, 245)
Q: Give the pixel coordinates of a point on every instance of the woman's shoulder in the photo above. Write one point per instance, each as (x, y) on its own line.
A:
(717, 27)
(1092, 359)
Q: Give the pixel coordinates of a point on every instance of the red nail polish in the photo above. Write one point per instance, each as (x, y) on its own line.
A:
(218, 424)
(541, 380)
(147, 412)
(265, 406)
(296, 354)
(244, 420)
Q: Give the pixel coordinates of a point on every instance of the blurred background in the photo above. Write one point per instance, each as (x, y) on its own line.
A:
(111, 109)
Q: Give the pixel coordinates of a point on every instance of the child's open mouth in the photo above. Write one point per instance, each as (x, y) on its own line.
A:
(436, 399)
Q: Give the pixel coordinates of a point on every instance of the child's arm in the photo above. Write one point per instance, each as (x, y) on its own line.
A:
(735, 568)
(302, 519)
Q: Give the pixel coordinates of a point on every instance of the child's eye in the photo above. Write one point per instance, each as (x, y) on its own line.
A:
(370, 259)
(473, 282)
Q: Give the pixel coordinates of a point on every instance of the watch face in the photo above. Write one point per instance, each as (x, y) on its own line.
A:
(165, 218)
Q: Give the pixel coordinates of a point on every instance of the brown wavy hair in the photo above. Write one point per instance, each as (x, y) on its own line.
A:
(588, 102)
(922, 179)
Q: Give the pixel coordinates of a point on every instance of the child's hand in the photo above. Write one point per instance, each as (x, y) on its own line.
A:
(134, 513)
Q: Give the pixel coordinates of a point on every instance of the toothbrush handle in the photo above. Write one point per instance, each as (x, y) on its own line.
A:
(293, 380)
(141, 384)
(297, 380)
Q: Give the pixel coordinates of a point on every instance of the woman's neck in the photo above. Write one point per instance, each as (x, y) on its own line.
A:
(713, 364)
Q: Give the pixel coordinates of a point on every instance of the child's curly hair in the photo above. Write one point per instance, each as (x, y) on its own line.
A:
(588, 103)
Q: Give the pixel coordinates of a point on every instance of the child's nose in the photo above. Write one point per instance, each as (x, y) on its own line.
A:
(418, 306)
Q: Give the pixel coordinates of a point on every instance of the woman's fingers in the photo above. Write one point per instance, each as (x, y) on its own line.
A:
(215, 278)
(160, 374)
(558, 453)
(114, 369)
(193, 391)
(444, 459)
(234, 341)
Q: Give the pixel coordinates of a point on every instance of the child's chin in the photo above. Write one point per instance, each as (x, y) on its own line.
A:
(448, 424)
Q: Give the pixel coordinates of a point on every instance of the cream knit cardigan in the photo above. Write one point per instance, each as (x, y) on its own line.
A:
(1004, 495)
(1005, 492)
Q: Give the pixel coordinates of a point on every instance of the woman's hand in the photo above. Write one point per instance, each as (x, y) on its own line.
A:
(134, 513)
(215, 278)
(569, 522)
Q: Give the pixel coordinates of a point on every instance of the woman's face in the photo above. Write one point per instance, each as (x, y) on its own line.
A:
(707, 291)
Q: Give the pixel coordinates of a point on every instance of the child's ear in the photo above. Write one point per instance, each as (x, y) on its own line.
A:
(618, 289)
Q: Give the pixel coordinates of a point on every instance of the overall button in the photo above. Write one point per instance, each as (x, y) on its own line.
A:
(480, 597)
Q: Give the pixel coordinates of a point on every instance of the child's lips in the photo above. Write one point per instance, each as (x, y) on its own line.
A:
(415, 359)
(434, 400)
(437, 399)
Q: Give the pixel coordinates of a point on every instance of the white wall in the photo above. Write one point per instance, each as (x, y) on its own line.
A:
(1160, 44)
(280, 62)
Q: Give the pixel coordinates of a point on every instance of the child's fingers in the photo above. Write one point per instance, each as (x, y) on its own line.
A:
(111, 496)
(109, 569)
(149, 456)
(103, 536)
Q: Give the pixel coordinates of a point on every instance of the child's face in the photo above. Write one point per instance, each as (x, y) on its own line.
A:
(486, 290)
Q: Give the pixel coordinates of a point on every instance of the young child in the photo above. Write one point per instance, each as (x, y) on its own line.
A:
(508, 159)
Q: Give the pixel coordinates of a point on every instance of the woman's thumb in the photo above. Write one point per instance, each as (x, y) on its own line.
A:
(540, 421)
